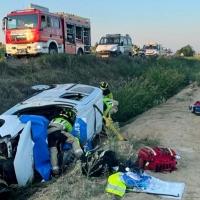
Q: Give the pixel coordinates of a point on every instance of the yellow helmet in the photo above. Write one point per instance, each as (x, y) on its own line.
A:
(103, 85)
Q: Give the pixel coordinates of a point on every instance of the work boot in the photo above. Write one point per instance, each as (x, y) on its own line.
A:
(75, 144)
(78, 153)
(55, 171)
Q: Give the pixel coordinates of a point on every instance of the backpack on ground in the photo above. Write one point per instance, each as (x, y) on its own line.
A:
(157, 159)
(98, 163)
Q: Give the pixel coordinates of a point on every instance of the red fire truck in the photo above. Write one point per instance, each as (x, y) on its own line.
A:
(35, 31)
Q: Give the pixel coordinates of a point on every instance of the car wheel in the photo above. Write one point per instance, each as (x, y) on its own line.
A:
(42, 87)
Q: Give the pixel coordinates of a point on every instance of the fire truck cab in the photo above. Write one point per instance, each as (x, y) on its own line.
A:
(35, 31)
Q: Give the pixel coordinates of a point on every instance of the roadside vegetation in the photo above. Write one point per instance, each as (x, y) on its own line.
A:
(2, 51)
(138, 84)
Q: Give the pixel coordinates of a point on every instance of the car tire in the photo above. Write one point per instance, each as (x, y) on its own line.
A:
(41, 87)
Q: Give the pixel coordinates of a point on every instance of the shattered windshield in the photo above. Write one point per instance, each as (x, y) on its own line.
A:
(109, 40)
(150, 47)
(22, 21)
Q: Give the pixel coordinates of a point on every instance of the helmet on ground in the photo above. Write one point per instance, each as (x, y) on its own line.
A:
(103, 85)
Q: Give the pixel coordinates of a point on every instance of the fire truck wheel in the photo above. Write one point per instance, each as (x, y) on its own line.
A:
(80, 52)
(52, 49)
(16, 57)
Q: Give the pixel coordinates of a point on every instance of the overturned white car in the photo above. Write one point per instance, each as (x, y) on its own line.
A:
(18, 135)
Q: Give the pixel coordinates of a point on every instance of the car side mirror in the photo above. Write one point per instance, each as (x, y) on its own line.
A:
(3, 27)
(4, 23)
(121, 44)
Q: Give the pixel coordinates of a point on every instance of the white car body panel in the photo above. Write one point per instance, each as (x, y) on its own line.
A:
(106, 47)
(23, 162)
(11, 126)
(15, 137)
(84, 106)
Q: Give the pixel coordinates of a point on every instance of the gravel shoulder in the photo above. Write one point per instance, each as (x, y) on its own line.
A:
(174, 126)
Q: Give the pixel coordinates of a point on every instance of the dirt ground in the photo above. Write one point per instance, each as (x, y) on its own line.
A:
(177, 128)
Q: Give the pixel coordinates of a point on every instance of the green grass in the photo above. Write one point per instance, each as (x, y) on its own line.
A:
(138, 84)
(2, 51)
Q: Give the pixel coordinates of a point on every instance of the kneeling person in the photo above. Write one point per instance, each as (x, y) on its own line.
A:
(59, 130)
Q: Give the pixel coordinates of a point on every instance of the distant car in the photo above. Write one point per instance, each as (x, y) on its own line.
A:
(168, 52)
(16, 144)
(140, 53)
(114, 45)
(195, 108)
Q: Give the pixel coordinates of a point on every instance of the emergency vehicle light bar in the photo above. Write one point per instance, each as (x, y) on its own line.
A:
(151, 43)
(25, 10)
(71, 16)
(41, 8)
(113, 35)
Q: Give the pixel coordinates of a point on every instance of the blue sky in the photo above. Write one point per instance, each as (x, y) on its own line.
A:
(172, 23)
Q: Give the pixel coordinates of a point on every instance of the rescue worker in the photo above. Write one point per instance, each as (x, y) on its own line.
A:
(59, 131)
(135, 50)
(110, 105)
(105, 89)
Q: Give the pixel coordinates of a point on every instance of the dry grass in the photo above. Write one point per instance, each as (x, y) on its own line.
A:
(136, 84)
(73, 185)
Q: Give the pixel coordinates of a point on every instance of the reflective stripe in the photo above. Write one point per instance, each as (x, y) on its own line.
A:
(62, 122)
(170, 151)
(114, 187)
(79, 150)
(55, 168)
(87, 153)
(152, 150)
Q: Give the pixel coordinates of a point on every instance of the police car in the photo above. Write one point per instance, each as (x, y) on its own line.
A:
(22, 126)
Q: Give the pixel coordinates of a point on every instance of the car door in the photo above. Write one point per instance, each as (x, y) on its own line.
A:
(23, 163)
(126, 51)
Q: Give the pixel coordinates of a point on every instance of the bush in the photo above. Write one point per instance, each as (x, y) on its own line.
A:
(138, 84)
(2, 51)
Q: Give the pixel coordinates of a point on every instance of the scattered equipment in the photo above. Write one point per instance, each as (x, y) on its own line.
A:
(157, 159)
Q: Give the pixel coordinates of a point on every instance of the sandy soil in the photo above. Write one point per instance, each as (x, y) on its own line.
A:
(177, 128)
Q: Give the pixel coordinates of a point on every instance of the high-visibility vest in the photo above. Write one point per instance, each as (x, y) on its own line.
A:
(115, 185)
(108, 105)
(66, 125)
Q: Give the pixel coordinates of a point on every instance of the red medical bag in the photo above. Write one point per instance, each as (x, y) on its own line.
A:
(157, 159)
